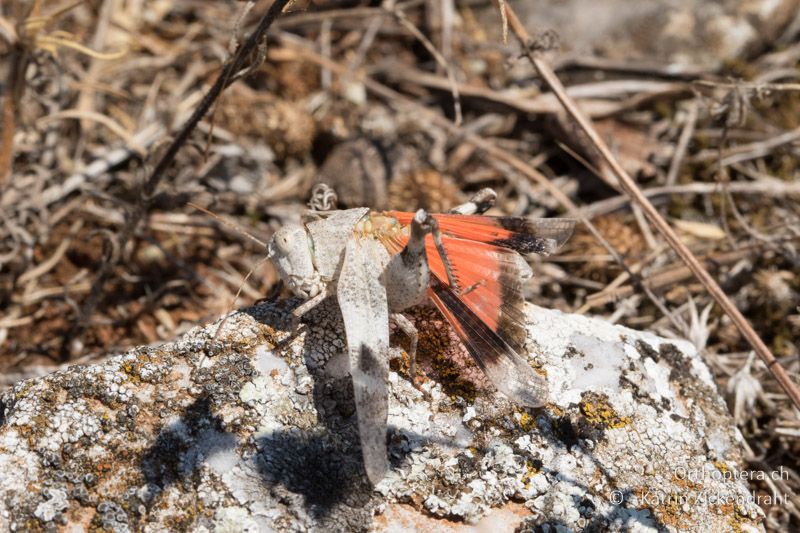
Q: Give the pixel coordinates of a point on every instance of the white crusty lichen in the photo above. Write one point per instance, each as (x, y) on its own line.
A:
(244, 426)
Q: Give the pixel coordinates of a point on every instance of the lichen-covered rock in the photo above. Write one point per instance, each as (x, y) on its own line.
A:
(242, 426)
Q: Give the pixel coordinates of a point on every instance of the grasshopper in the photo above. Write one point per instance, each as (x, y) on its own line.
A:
(378, 264)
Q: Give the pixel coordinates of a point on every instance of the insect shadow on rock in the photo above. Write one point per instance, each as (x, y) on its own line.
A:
(378, 264)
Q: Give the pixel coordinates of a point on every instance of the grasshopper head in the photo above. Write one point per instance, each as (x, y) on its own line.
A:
(290, 252)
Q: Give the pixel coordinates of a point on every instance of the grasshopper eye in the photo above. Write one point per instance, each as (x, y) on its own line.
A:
(290, 242)
(282, 242)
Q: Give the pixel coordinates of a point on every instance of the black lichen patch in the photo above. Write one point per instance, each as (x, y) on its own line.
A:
(666, 404)
(647, 351)
(626, 382)
(689, 385)
(223, 381)
(468, 464)
(572, 352)
(680, 369)
(3, 409)
(449, 376)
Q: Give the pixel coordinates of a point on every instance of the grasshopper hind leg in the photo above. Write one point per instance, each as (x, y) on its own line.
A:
(407, 279)
(481, 201)
(409, 330)
(407, 276)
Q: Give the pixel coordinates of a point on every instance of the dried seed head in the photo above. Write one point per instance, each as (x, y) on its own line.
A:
(427, 189)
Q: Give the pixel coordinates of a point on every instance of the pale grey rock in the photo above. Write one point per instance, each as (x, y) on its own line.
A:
(244, 429)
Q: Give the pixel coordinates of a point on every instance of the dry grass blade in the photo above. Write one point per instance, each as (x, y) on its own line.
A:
(663, 278)
(650, 211)
(683, 144)
(440, 59)
(108, 122)
(766, 187)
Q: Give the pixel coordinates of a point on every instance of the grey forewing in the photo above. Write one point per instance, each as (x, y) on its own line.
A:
(329, 237)
(365, 311)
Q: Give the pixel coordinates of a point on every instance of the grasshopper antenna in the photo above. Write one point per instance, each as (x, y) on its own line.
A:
(241, 231)
(228, 223)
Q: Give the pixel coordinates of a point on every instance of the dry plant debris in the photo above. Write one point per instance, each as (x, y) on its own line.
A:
(90, 93)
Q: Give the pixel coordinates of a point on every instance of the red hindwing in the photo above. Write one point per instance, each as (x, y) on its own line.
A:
(487, 310)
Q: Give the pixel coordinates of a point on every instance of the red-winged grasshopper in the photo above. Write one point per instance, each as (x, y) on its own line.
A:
(380, 263)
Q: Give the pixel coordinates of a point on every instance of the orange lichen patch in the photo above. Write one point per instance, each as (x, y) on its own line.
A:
(271, 335)
(684, 483)
(403, 517)
(667, 507)
(182, 522)
(97, 407)
(39, 423)
(451, 381)
(133, 367)
(724, 508)
(23, 390)
(103, 466)
(526, 421)
(130, 369)
(736, 527)
(722, 467)
(33, 525)
(671, 515)
(531, 469)
(598, 412)
(80, 517)
(737, 519)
